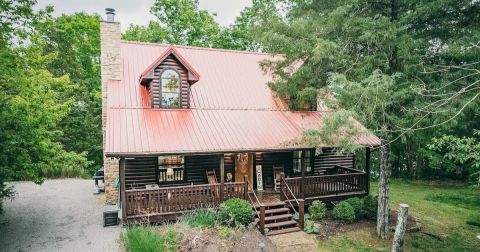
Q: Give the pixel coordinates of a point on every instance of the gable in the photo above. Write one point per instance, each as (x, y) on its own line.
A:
(191, 74)
(155, 88)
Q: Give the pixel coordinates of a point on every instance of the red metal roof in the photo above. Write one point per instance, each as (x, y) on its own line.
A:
(231, 107)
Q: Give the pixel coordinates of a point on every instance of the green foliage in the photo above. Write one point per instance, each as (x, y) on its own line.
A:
(74, 40)
(310, 227)
(184, 23)
(405, 83)
(225, 232)
(358, 205)
(459, 156)
(344, 212)
(438, 218)
(148, 239)
(33, 102)
(317, 210)
(202, 218)
(306, 216)
(235, 212)
(370, 207)
(339, 129)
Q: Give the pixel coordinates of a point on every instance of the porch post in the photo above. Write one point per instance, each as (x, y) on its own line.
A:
(245, 187)
(222, 176)
(301, 213)
(367, 168)
(283, 195)
(123, 201)
(303, 173)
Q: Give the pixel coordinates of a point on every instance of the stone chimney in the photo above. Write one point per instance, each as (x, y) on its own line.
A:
(111, 69)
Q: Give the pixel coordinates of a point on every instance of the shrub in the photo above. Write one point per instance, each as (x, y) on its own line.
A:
(310, 227)
(200, 218)
(235, 212)
(149, 239)
(296, 216)
(370, 207)
(317, 210)
(344, 212)
(358, 205)
(225, 232)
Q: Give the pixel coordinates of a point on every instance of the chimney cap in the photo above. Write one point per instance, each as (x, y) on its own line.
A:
(110, 14)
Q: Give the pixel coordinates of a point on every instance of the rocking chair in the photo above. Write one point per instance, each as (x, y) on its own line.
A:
(276, 173)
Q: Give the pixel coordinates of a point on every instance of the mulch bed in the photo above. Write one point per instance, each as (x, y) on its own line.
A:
(194, 239)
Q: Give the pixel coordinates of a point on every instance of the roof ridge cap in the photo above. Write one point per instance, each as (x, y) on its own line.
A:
(198, 48)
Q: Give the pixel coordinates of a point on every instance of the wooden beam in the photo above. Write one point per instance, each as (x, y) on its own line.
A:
(123, 201)
(367, 168)
(301, 213)
(262, 219)
(282, 187)
(302, 159)
(222, 176)
(245, 187)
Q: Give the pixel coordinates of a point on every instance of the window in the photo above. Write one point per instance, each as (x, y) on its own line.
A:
(170, 87)
(298, 159)
(170, 168)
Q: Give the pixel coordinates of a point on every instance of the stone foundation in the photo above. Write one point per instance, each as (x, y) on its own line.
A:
(111, 170)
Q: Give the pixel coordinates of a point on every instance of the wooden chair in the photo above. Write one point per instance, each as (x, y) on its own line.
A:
(212, 180)
(276, 174)
(211, 177)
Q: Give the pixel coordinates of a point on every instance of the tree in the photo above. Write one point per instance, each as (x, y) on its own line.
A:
(457, 156)
(74, 40)
(178, 22)
(382, 65)
(31, 103)
(183, 23)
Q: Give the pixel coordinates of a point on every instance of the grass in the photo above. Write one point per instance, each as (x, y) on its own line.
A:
(201, 218)
(444, 210)
(149, 239)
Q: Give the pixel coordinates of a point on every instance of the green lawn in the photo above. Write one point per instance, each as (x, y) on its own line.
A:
(443, 208)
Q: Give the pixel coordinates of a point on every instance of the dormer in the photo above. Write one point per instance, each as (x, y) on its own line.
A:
(168, 80)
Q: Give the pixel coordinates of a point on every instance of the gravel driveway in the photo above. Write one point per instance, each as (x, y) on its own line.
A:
(60, 215)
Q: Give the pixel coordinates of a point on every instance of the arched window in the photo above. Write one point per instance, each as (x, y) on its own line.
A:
(170, 88)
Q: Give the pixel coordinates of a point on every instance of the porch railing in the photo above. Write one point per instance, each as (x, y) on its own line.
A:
(285, 193)
(327, 184)
(180, 198)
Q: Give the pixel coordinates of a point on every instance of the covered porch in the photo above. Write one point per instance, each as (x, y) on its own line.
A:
(157, 188)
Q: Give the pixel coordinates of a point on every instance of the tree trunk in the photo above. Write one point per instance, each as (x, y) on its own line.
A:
(383, 210)
(398, 239)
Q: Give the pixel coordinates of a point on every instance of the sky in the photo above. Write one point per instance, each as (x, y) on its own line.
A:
(138, 11)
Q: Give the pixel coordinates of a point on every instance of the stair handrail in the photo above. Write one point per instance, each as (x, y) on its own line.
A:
(250, 197)
(261, 215)
(283, 182)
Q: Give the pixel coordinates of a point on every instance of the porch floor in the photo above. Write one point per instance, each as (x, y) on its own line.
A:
(268, 196)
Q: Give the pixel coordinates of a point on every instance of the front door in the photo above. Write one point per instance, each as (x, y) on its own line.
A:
(244, 166)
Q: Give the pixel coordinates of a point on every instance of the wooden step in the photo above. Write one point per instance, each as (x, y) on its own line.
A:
(276, 217)
(277, 210)
(280, 224)
(271, 205)
(283, 231)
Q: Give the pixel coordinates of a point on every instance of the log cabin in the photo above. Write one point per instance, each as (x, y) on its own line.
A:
(188, 127)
